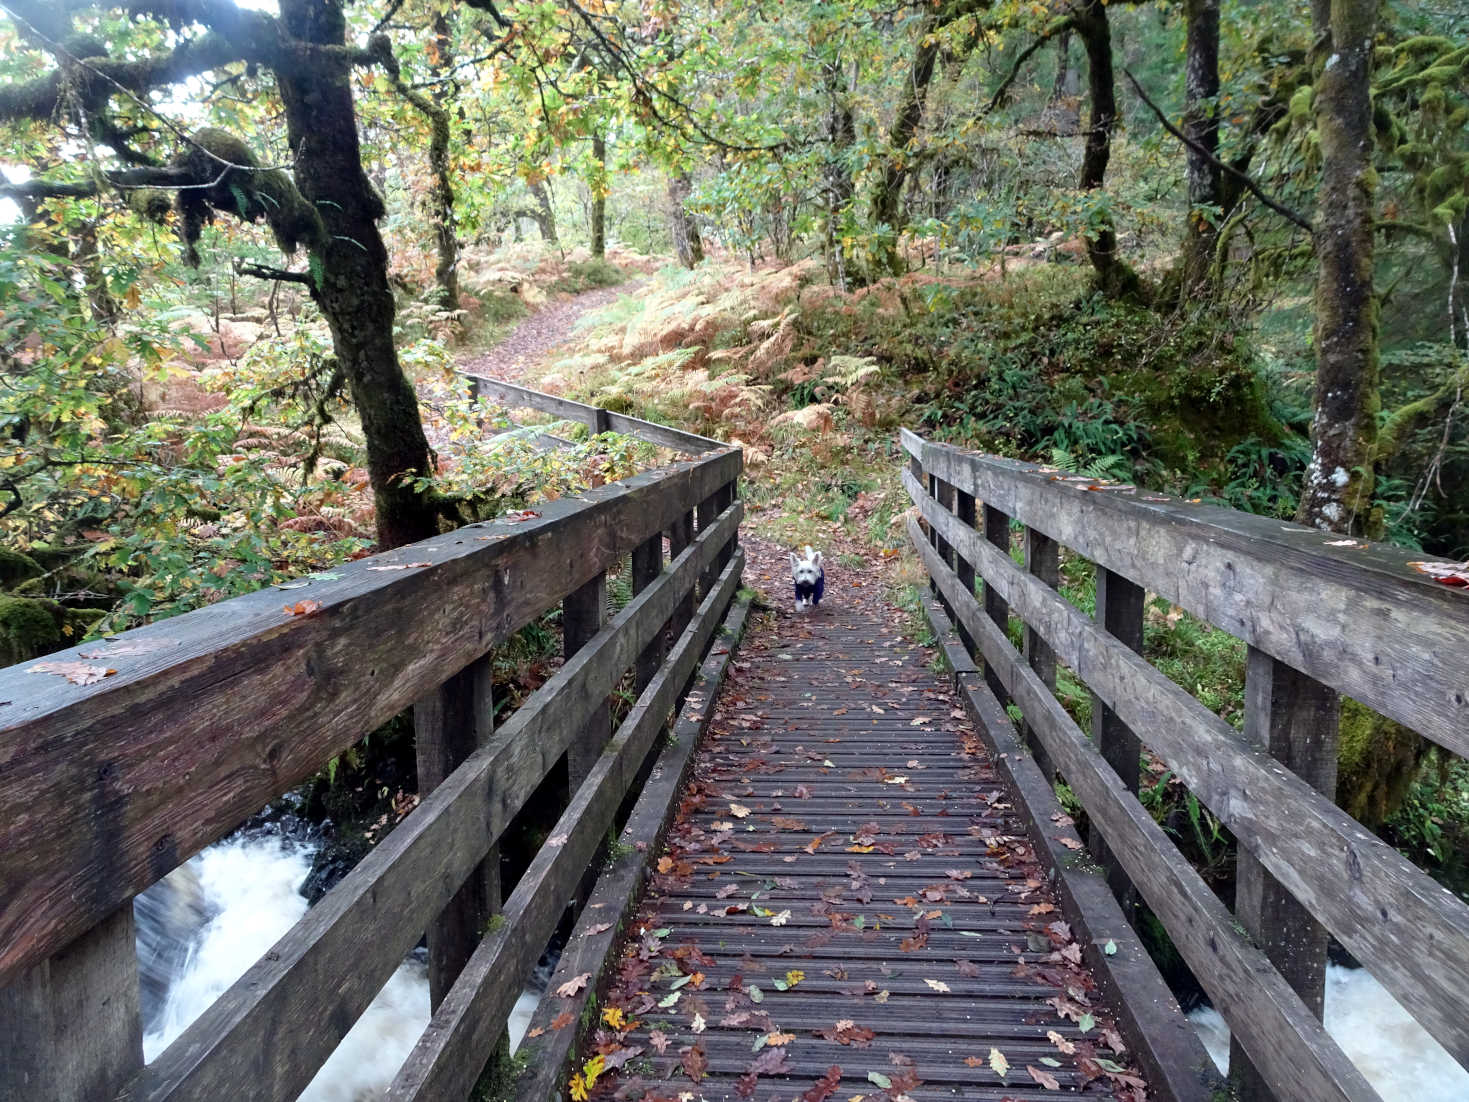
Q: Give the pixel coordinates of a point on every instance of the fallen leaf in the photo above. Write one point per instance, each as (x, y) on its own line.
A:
(847, 1032)
(739, 811)
(777, 1038)
(825, 1087)
(1061, 1042)
(998, 1064)
(781, 919)
(878, 1079)
(1068, 842)
(659, 1041)
(695, 1063)
(562, 1020)
(698, 1025)
(556, 841)
(303, 608)
(570, 988)
(612, 1015)
(78, 673)
(1449, 573)
(599, 928)
(516, 516)
(938, 985)
(402, 566)
(1043, 1078)
(771, 1061)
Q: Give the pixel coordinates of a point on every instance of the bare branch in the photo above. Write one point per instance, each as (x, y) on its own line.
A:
(1255, 189)
(280, 275)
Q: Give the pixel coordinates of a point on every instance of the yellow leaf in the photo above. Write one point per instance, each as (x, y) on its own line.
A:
(998, 1064)
(592, 1069)
(612, 1015)
(578, 1088)
(794, 976)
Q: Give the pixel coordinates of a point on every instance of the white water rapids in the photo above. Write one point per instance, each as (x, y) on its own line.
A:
(1397, 1056)
(209, 920)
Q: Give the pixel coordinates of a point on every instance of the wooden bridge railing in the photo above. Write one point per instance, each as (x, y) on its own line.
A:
(203, 719)
(1319, 619)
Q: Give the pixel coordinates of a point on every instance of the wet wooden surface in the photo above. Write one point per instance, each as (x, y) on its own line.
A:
(845, 838)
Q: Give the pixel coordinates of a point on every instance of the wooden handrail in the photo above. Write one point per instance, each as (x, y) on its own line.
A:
(1357, 618)
(203, 719)
(1248, 576)
(594, 417)
(212, 714)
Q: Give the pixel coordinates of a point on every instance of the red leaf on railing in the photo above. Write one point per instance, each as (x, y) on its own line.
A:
(1448, 573)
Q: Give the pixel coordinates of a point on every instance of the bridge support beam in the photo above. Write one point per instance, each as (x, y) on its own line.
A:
(1294, 718)
(1042, 559)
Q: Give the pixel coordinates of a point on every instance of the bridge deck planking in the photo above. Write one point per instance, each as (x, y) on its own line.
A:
(838, 705)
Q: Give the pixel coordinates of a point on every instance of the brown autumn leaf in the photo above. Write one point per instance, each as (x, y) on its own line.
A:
(1043, 1078)
(531, 1033)
(785, 822)
(967, 968)
(825, 1087)
(78, 673)
(974, 1061)
(518, 516)
(771, 1061)
(1069, 843)
(303, 608)
(694, 1062)
(847, 1032)
(570, 988)
(599, 928)
(562, 1020)
(659, 1040)
(1061, 1042)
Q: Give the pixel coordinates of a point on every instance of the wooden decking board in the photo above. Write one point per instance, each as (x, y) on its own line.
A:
(800, 698)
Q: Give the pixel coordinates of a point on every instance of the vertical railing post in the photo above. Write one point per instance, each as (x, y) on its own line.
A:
(705, 513)
(1120, 612)
(647, 564)
(1043, 560)
(71, 1025)
(1295, 718)
(680, 535)
(943, 495)
(583, 614)
(964, 510)
(449, 725)
(997, 532)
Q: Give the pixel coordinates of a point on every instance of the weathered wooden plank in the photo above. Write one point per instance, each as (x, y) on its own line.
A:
(997, 532)
(449, 725)
(267, 1035)
(547, 1056)
(1294, 718)
(1407, 929)
(966, 510)
(521, 397)
(110, 786)
(1119, 612)
(1356, 618)
(1177, 1065)
(71, 1024)
(451, 1052)
(680, 534)
(583, 615)
(1285, 1039)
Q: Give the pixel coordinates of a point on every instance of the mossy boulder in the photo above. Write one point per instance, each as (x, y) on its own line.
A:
(30, 628)
(1378, 760)
(17, 567)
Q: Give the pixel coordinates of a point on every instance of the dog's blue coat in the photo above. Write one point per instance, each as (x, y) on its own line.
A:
(806, 591)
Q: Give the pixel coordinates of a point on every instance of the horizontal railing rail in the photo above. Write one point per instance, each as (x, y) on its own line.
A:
(1317, 617)
(203, 719)
(594, 417)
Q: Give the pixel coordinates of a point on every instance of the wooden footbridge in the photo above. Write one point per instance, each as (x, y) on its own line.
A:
(842, 875)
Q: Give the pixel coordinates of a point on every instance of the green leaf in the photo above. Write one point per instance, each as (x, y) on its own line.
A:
(1050, 1062)
(668, 1000)
(756, 995)
(676, 984)
(878, 1079)
(1110, 949)
(1086, 1023)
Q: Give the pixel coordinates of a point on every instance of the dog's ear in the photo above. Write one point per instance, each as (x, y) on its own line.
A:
(816, 558)
(795, 562)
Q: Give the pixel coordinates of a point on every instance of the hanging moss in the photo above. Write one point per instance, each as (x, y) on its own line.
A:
(1378, 760)
(247, 192)
(16, 567)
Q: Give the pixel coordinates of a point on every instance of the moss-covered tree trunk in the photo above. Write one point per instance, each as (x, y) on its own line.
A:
(687, 243)
(543, 216)
(887, 214)
(1114, 277)
(441, 192)
(1337, 495)
(599, 196)
(353, 290)
(1201, 124)
(841, 136)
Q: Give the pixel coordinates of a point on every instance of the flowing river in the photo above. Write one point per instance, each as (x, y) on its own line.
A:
(210, 919)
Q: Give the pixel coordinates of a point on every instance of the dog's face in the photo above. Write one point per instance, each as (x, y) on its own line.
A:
(806, 570)
(807, 577)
